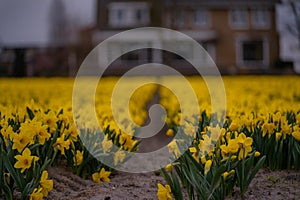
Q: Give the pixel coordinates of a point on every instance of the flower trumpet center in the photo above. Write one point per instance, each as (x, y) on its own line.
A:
(241, 145)
(26, 162)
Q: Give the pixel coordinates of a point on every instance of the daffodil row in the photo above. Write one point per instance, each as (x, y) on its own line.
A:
(271, 117)
(260, 128)
(37, 130)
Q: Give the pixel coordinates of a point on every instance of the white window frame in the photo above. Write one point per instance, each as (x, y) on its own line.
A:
(210, 48)
(180, 18)
(260, 18)
(201, 18)
(114, 18)
(239, 14)
(252, 64)
(129, 10)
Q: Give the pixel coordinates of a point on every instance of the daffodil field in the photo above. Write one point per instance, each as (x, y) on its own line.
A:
(37, 131)
(260, 128)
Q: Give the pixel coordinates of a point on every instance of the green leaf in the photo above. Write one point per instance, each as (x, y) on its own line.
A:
(177, 187)
(45, 165)
(166, 176)
(217, 176)
(7, 192)
(196, 178)
(30, 113)
(27, 190)
(295, 158)
(34, 147)
(258, 166)
(297, 146)
(18, 178)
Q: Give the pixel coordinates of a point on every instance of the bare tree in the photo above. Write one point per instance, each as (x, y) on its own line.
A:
(294, 27)
(58, 23)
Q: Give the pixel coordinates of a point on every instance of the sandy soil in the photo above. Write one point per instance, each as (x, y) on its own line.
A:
(273, 185)
(266, 185)
(122, 186)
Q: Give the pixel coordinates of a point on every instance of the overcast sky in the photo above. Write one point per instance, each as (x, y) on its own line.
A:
(27, 21)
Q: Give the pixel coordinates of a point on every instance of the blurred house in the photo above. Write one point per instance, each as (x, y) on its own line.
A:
(41, 38)
(239, 35)
(288, 27)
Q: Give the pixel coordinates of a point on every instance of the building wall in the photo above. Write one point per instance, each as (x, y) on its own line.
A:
(225, 48)
(289, 40)
(156, 10)
(225, 42)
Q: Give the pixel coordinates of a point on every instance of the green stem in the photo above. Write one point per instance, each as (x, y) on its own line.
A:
(243, 175)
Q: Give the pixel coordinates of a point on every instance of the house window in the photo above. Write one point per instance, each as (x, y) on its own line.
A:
(210, 49)
(239, 18)
(179, 18)
(120, 15)
(260, 18)
(141, 16)
(253, 53)
(201, 18)
(117, 17)
(138, 15)
(128, 14)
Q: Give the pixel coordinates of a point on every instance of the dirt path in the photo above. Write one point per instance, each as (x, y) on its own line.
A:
(122, 185)
(158, 140)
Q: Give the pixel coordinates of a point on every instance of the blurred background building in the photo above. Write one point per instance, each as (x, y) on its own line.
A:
(288, 27)
(52, 37)
(42, 38)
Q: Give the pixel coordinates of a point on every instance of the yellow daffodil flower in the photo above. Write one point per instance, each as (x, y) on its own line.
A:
(6, 132)
(206, 145)
(20, 141)
(170, 133)
(7, 177)
(168, 167)
(102, 176)
(193, 149)
(244, 145)
(173, 148)
(225, 174)
(203, 160)
(78, 158)
(207, 166)
(256, 154)
(268, 128)
(106, 144)
(164, 192)
(50, 120)
(41, 132)
(25, 160)
(45, 184)
(62, 144)
(234, 126)
(119, 157)
(296, 135)
(36, 194)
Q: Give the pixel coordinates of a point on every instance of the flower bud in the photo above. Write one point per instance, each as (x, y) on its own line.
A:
(256, 154)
